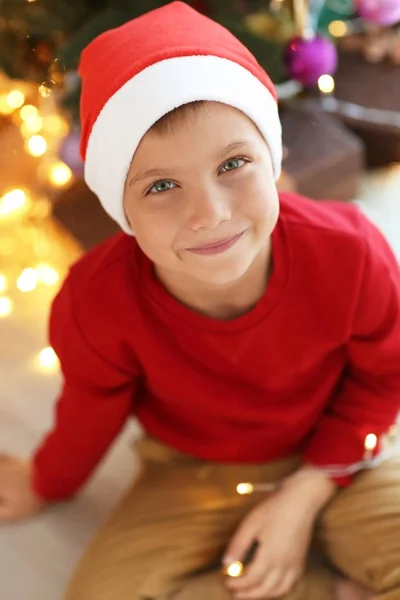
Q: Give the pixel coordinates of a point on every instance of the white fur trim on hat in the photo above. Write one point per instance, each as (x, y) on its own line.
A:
(154, 92)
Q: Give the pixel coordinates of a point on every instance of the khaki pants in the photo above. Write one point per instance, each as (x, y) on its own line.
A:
(166, 539)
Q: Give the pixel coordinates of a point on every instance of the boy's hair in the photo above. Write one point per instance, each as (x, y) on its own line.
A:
(168, 122)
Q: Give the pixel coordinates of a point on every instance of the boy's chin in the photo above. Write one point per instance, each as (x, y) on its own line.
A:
(222, 276)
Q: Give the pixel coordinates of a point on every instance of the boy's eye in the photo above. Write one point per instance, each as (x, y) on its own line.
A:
(162, 186)
(232, 164)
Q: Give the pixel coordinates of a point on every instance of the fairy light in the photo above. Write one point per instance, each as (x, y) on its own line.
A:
(235, 569)
(5, 108)
(15, 99)
(48, 359)
(44, 90)
(245, 489)
(28, 112)
(12, 202)
(60, 174)
(32, 124)
(326, 84)
(37, 145)
(47, 274)
(370, 444)
(56, 125)
(6, 306)
(3, 283)
(338, 29)
(28, 280)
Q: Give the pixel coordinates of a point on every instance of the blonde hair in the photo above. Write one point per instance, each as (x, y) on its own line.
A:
(186, 112)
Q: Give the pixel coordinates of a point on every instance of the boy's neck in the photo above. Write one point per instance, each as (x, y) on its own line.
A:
(223, 302)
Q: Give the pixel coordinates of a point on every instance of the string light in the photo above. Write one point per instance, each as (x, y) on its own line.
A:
(3, 283)
(28, 111)
(44, 90)
(338, 28)
(28, 280)
(13, 201)
(56, 125)
(37, 145)
(235, 569)
(326, 84)
(5, 108)
(15, 99)
(32, 125)
(47, 274)
(245, 489)
(6, 306)
(60, 174)
(48, 359)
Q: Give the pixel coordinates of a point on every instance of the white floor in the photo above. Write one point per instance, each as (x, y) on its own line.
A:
(36, 558)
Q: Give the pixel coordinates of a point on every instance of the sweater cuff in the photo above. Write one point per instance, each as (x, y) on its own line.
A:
(341, 454)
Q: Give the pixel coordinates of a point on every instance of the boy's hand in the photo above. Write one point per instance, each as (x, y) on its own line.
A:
(282, 527)
(17, 498)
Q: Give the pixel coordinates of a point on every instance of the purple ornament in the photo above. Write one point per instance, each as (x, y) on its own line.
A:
(69, 152)
(382, 12)
(307, 59)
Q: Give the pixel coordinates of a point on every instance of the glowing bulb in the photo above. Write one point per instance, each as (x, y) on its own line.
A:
(56, 125)
(33, 124)
(15, 99)
(6, 306)
(44, 90)
(48, 359)
(47, 274)
(371, 441)
(326, 84)
(37, 145)
(5, 108)
(3, 283)
(338, 28)
(27, 281)
(235, 569)
(245, 489)
(28, 111)
(60, 174)
(12, 201)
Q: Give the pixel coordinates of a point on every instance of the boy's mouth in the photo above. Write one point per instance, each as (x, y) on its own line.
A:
(216, 247)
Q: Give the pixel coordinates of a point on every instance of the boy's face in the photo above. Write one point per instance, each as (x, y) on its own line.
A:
(201, 198)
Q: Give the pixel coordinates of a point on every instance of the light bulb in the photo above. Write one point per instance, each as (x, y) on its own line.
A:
(37, 145)
(371, 441)
(15, 99)
(3, 283)
(47, 274)
(60, 174)
(338, 28)
(326, 84)
(56, 125)
(28, 111)
(33, 124)
(6, 306)
(48, 359)
(28, 280)
(235, 569)
(5, 108)
(44, 90)
(12, 201)
(245, 489)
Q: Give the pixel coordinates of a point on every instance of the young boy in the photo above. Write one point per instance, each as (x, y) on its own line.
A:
(256, 339)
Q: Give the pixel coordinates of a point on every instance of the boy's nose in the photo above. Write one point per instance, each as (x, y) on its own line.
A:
(208, 210)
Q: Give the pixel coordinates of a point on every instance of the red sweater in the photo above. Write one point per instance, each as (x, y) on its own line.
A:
(312, 369)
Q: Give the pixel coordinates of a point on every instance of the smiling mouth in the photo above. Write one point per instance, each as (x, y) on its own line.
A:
(216, 247)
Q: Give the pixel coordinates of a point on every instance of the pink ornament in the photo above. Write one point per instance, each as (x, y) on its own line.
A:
(382, 12)
(307, 59)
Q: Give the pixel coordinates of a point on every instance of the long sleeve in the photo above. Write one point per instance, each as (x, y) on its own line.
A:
(95, 402)
(368, 399)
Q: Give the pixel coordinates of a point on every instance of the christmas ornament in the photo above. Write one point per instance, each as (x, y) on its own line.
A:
(382, 12)
(307, 59)
(69, 152)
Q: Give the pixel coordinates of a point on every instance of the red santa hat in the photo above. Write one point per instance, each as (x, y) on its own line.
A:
(140, 71)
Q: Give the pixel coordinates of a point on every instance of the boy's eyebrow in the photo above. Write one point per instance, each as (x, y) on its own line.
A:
(163, 173)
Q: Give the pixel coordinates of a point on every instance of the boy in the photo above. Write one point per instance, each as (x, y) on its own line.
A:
(256, 340)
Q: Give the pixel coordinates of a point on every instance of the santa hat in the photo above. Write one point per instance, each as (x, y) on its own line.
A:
(140, 71)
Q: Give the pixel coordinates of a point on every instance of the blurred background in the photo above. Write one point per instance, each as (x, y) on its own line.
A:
(336, 65)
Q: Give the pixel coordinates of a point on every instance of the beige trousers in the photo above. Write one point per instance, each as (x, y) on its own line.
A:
(166, 539)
